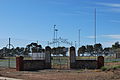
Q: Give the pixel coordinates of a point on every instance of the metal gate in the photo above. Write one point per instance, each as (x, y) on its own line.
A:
(60, 62)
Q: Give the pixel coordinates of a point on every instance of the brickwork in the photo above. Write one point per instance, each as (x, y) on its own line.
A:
(19, 63)
(86, 64)
(46, 64)
(47, 57)
(23, 65)
(100, 62)
(72, 57)
(33, 65)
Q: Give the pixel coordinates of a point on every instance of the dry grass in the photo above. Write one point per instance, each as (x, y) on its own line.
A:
(62, 74)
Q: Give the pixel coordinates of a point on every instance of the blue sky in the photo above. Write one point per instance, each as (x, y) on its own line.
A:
(27, 21)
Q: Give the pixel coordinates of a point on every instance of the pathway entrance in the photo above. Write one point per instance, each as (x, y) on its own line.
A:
(60, 58)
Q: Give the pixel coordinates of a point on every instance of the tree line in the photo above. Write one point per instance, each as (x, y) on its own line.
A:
(97, 49)
(90, 50)
(30, 48)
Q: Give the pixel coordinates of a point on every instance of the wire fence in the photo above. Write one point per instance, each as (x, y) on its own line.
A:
(8, 54)
(8, 59)
(9, 62)
(111, 61)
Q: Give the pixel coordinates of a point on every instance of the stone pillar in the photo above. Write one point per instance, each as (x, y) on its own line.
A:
(72, 57)
(100, 61)
(47, 57)
(19, 63)
(118, 55)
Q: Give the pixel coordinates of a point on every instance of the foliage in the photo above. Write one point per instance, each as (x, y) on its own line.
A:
(104, 68)
(59, 50)
(90, 49)
(116, 45)
(107, 68)
(98, 48)
(33, 47)
(106, 51)
(81, 50)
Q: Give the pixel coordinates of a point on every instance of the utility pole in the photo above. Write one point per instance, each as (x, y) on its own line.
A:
(79, 38)
(95, 25)
(57, 43)
(9, 52)
(54, 36)
(95, 28)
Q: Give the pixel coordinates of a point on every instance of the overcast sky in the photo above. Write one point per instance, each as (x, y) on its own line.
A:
(27, 21)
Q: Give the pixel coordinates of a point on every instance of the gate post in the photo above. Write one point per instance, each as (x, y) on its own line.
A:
(72, 57)
(19, 63)
(47, 57)
(100, 61)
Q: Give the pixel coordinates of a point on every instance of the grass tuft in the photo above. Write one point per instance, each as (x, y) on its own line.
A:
(107, 68)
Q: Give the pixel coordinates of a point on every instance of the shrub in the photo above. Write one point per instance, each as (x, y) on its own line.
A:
(104, 68)
(116, 67)
(107, 68)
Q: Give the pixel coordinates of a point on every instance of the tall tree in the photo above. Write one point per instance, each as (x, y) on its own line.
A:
(116, 45)
(59, 50)
(98, 49)
(90, 49)
(81, 50)
(34, 47)
(106, 51)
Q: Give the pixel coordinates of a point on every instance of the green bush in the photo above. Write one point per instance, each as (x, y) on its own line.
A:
(116, 67)
(107, 68)
(104, 68)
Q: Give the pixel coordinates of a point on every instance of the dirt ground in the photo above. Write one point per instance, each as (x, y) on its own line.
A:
(61, 74)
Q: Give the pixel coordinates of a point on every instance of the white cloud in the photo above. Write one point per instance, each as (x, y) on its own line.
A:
(111, 7)
(115, 21)
(115, 9)
(112, 36)
(108, 44)
(109, 4)
(92, 37)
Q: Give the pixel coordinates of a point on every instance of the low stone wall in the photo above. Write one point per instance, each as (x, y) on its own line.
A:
(33, 64)
(86, 64)
(29, 65)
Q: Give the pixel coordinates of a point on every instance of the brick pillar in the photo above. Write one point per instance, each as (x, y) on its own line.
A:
(100, 61)
(19, 63)
(47, 57)
(72, 57)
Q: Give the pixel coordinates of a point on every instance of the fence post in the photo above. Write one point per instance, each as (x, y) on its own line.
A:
(72, 57)
(47, 57)
(100, 61)
(19, 63)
